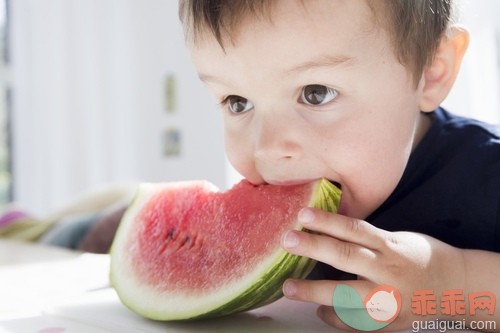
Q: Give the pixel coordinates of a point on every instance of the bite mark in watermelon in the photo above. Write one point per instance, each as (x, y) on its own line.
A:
(184, 250)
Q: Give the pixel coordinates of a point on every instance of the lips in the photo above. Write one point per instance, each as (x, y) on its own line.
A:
(299, 181)
(288, 182)
(342, 209)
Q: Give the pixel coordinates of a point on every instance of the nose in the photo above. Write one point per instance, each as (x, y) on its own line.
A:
(277, 139)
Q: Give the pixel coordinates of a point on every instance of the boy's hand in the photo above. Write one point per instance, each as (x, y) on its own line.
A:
(404, 260)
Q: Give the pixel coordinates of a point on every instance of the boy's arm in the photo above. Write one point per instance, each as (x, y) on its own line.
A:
(407, 261)
(482, 272)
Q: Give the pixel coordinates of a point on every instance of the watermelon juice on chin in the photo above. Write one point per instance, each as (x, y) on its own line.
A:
(184, 250)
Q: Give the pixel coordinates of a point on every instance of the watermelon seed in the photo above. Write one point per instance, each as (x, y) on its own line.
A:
(185, 241)
(164, 247)
(171, 233)
(195, 243)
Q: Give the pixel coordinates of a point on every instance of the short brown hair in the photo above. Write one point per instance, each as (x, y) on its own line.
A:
(415, 26)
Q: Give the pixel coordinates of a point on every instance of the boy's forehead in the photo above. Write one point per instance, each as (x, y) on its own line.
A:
(359, 13)
(297, 26)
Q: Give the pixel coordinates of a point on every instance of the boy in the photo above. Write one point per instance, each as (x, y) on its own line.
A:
(350, 91)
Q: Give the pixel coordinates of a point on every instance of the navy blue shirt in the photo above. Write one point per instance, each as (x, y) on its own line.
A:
(451, 186)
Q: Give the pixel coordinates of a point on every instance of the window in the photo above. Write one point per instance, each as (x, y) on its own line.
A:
(5, 157)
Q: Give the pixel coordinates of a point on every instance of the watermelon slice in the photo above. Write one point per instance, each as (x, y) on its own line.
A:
(184, 250)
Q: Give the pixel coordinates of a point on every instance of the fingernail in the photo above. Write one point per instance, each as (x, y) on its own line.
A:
(306, 216)
(321, 312)
(289, 288)
(290, 240)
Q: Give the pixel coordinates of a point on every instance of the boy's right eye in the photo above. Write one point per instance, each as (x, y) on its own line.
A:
(238, 104)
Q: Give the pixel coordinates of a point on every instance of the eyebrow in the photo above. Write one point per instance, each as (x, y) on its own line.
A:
(208, 78)
(322, 62)
(319, 63)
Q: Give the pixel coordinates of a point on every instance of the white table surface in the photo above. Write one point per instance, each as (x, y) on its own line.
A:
(51, 290)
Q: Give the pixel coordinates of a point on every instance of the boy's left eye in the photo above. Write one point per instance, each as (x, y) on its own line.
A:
(317, 94)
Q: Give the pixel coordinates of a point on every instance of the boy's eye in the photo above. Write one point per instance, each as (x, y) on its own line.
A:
(316, 94)
(238, 104)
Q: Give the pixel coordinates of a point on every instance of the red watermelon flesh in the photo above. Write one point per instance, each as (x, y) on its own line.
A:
(185, 250)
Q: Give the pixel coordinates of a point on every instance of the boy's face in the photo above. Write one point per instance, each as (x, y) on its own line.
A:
(315, 92)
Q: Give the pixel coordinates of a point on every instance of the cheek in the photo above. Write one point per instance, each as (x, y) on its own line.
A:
(234, 150)
(370, 153)
(239, 152)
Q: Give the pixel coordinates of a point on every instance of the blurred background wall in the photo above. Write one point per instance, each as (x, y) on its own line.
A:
(103, 92)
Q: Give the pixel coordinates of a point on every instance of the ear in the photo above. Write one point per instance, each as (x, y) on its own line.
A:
(439, 76)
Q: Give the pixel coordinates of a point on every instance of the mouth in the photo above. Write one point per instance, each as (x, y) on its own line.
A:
(289, 182)
(300, 181)
(337, 184)
(341, 210)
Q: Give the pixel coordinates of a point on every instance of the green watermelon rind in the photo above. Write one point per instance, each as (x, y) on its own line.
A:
(265, 289)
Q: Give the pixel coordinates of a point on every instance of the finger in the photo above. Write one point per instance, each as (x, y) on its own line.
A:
(347, 304)
(343, 227)
(314, 291)
(342, 255)
(329, 316)
(321, 291)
